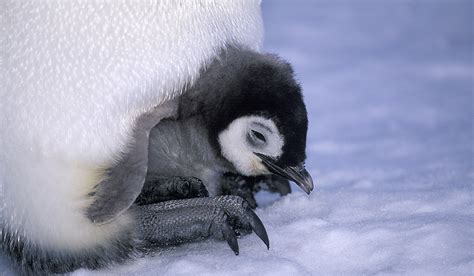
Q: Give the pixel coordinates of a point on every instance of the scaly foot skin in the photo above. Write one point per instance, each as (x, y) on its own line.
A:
(178, 221)
(246, 187)
(234, 184)
(170, 188)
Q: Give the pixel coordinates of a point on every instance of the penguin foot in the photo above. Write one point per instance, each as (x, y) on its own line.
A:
(171, 188)
(247, 186)
(243, 186)
(178, 221)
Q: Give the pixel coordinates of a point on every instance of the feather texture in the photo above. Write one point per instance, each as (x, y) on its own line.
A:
(77, 75)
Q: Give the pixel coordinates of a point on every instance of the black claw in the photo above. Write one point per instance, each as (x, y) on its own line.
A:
(258, 228)
(230, 237)
(198, 188)
(205, 192)
(251, 201)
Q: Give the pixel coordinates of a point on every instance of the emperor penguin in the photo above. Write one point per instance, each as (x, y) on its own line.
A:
(244, 116)
(84, 83)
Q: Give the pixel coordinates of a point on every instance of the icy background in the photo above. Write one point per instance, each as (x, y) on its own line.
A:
(389, 90)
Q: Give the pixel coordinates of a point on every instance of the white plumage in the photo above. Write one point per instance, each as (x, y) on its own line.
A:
(75, 76)
(235, 148)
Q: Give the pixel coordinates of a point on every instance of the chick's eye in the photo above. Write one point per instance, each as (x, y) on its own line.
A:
(259, 135)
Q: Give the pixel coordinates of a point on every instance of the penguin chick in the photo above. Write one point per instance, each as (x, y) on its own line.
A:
(244, 116)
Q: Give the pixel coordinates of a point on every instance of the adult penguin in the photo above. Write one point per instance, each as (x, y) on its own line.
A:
(80, 78)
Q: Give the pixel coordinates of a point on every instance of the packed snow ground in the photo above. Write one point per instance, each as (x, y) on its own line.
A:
(389, 90)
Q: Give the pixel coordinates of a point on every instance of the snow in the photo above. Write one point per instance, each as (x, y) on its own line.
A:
(389, 90)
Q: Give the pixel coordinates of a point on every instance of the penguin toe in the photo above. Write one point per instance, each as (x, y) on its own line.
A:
(241, 216)
(196, 188)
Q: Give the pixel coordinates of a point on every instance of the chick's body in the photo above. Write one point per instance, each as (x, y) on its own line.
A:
(182, 148)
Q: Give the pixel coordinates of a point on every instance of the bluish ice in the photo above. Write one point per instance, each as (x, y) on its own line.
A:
(389, 91)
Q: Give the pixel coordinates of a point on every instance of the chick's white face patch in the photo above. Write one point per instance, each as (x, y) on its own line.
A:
(246, 136)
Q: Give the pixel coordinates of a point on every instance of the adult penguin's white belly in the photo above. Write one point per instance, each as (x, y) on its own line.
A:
(77, 75)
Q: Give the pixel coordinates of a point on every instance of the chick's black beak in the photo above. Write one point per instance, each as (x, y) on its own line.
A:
(297, 174)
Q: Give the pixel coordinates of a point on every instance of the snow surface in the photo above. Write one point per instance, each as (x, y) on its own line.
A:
(389, 90)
